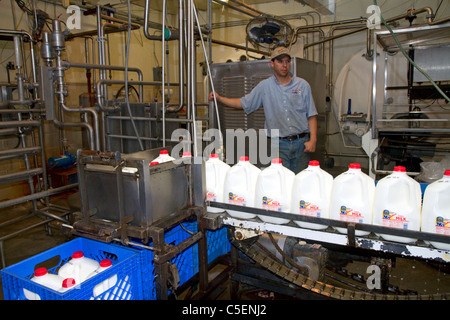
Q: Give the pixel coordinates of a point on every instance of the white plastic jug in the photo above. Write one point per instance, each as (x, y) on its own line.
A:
(67, 284)
(42, 277)
(79, 267)
(397, 204)
(215, 172)
(273, 191)
(239, 187)
(352, 196)
(105, 284)
(436, 209)
(311, 194)
(163, 157)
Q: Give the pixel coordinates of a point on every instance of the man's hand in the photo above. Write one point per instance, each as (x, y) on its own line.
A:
(310, 146)
(211, 96)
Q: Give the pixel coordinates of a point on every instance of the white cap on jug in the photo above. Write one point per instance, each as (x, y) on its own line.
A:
(314, 163)
(39, 272)
(354, 166)
(243, 158)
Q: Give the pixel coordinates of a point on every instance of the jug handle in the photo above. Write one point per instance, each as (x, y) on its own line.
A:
(283, 187)
(412, 193)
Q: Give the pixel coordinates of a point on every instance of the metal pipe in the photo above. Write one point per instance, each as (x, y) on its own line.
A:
(237, 46)
(107, 67)
(163, 74)
(106, 81)
(24, 123)
(252, 14)
(246, 6)
(32, 56)
(180, 57)
(78, 124)
(146, 16)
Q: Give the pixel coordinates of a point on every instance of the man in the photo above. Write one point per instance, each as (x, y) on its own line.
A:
(288, 107)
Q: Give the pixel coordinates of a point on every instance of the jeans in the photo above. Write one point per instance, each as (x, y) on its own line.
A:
(292, 155)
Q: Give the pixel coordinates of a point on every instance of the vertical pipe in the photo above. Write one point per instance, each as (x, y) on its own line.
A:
(374, 84)
(163, 74)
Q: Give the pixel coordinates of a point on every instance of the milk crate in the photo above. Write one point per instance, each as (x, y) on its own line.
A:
(186, 261)
(124, 276)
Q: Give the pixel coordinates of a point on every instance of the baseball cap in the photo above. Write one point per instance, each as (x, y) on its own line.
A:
(279, 51)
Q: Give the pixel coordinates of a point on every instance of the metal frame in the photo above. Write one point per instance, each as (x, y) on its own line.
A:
(418, 250)
(378, 37)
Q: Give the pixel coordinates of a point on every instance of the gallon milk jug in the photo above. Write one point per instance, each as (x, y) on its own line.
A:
(163, 157)
(79, 267)
(397, 204)
(42, 277)
(352, 198)
(67, 284)
(239, 187)
(216, 171)
(273, 191)
(436, 209)
(106, 284)
(311, 193)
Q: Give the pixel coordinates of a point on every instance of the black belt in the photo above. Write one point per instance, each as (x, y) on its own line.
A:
(295, 136)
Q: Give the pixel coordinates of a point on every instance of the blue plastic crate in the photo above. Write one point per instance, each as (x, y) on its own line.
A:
(187, 261)
(184, 261)
(125, 270)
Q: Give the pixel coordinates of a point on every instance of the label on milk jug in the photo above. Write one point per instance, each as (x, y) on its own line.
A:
(308, 209)
(394, 220)
(442, 226)
(234, 198)
(270, 204)
(349, 215)
(211, 196)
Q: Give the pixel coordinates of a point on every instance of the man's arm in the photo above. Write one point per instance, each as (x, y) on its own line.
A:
(229, 102)
(310, 146)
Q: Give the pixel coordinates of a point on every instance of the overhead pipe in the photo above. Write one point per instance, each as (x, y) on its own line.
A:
(246, 6)
(398, 17)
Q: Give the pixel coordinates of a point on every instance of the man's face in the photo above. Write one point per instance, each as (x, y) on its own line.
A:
(281, 65)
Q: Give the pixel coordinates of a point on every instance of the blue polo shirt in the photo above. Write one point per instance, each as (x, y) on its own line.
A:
(286, 108)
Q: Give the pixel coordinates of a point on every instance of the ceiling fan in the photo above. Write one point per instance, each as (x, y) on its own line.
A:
(269, 32)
